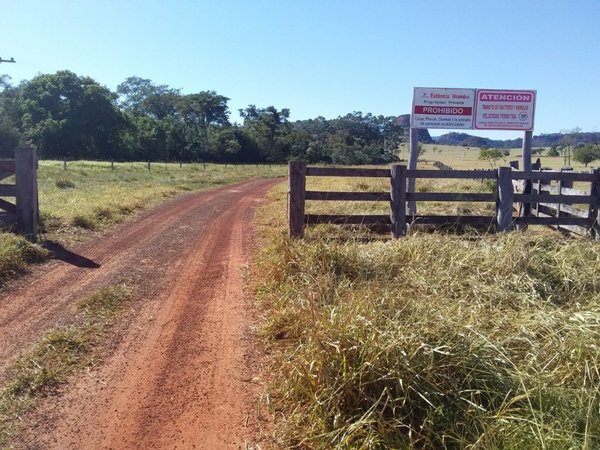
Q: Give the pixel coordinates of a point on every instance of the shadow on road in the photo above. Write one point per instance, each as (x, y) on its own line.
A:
(61, 253)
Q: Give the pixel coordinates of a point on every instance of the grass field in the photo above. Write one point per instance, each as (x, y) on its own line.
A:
(90, 196)
(459, 157)
(437, 340)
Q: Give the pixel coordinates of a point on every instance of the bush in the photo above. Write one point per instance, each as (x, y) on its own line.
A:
(64, 184)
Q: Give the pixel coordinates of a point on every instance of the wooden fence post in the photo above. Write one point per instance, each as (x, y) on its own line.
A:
(538, 192)
(594, 211)
(504, 207)
(297, 193)
(27, 192)
(412, 165)
(398, 200)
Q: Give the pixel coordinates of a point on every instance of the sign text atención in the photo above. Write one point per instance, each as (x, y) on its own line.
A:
(504, 110)
(483, 109)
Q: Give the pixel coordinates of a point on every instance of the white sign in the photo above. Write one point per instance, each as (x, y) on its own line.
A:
(504, 110)
(443, 108)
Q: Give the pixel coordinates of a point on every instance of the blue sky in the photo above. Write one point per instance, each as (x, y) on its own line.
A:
(324, 57)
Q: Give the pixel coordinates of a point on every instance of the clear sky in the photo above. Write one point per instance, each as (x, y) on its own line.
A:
(321, 57)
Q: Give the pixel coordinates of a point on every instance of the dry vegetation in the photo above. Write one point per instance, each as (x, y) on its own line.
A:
(459, 157)
(438, 340)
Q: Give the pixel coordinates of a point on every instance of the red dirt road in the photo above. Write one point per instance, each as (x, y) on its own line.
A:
(180, 369)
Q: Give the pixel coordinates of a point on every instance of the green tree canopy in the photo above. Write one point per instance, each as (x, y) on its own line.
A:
(268, 128)
(68, 115)
(586, 154)
(9, 135)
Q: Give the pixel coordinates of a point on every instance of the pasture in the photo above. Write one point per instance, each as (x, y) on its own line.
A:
(459, 157)
(91, 195)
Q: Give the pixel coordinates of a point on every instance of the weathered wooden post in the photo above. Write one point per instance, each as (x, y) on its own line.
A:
(525, 207)
(27, 192)
(526, 149)
(504, 207)
(562, 184)
(398, 200)
(412, 165)
(594, 212)
(297, 193)
(538, 192)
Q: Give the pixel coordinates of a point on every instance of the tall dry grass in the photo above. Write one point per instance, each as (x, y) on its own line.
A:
(433, 341)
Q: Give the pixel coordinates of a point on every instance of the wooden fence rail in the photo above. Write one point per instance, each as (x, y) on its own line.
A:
(504, 197)
(551, 203)
(25, 191)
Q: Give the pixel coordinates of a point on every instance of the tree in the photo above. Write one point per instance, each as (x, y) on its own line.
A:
(553, 151)
(9, 135)
(268, 127)
(157, 130)
(569, 141)
(68, 115)
(142, 97)
(586, 154)
(492, 155)
(199, 114)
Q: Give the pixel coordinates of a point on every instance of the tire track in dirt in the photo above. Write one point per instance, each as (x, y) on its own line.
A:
(42, 300)
(179, 375)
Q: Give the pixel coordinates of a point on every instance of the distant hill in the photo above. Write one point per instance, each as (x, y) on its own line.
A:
(542, 140)
(424, 136)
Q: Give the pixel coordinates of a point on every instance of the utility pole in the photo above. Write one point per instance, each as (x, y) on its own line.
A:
(11, 60)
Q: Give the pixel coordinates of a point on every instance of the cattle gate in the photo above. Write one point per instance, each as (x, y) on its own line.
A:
(532, 203)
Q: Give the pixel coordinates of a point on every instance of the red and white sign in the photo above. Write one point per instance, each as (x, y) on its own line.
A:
(443, 108)
(504, 110)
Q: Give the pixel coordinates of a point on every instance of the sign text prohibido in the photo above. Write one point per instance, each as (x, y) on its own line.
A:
(443, 108)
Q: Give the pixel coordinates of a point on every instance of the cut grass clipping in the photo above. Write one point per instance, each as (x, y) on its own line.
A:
(431, 341)
(59, 354)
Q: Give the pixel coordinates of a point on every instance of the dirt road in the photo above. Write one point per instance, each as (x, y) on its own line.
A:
(179, 371)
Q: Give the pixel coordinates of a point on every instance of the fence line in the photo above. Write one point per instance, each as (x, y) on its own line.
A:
(504, 197)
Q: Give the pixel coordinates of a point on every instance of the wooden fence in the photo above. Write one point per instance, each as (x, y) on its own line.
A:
(562, 187)
(504, 198)
(25, 192)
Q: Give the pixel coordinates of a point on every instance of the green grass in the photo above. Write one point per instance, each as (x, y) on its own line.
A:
(59, 354)
(92, 196)
(458, 341)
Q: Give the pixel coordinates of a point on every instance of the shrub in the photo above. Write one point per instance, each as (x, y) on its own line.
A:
(64, 184)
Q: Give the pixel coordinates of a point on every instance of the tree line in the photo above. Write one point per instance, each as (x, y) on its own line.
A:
(70, 116)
